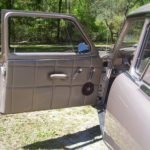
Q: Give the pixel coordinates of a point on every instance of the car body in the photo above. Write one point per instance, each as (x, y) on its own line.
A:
(127, 114)
(68, 75)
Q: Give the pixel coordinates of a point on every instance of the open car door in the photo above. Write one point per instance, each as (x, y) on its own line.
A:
(47, 62)
(127, 120)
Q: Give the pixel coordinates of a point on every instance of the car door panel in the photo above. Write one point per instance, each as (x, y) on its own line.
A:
(42, 98)
(26, 83)
(127, 117)
(29, 87)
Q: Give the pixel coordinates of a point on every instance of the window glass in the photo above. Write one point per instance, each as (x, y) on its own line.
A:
(144, 56)
(36, 34)
(131, 38)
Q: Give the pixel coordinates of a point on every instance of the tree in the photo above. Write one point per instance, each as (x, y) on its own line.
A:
(113, 12)
(101, 18)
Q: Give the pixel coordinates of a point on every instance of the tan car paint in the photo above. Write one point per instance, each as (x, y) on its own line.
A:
(127, 121)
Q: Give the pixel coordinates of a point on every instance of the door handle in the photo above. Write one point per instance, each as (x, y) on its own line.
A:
(58, 76)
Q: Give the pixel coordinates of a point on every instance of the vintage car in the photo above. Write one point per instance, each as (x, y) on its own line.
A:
(75, 75)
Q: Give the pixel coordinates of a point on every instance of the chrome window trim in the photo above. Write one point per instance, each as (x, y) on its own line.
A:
(146, 89)
(133, 68)
(145, 38)
(145, 69)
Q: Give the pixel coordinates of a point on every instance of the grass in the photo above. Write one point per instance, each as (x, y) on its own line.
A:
(40, 48)
(102, 44)
(70, 128)
(49, 48)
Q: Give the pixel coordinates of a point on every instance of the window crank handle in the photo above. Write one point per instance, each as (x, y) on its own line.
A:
(78, 71)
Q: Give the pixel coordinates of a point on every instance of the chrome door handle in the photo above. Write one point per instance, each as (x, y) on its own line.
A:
(58, 76)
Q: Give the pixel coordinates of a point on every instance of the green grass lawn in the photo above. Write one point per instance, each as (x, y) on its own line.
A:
(70, 128)
(49, 48)
(40, 48)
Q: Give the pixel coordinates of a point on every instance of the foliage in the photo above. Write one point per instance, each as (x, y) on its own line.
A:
(113, 12)
(101, 18)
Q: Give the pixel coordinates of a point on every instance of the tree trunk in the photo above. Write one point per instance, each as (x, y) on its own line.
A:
(67, 3)
(110, 30)
(58, 23)
(9, 5)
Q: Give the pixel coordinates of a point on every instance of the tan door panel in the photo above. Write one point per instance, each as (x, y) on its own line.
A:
(46, 80)
(42, 98)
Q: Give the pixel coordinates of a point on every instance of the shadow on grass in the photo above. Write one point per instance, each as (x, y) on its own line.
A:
(87, 136)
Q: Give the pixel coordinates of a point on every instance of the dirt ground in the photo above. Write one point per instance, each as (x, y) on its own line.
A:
(64, 129)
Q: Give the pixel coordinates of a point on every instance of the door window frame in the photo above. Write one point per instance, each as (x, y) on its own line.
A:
(136, 58)
(123, 33)
(134, 75)
(5, 33)
(144, 42)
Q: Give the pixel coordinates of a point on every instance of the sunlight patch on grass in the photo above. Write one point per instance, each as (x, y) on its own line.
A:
(19, 130)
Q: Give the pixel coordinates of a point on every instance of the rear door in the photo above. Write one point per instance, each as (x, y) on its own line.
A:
(128, 110)
(47, 62)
